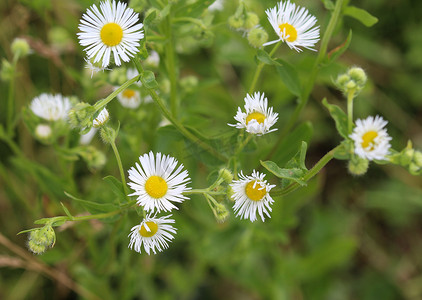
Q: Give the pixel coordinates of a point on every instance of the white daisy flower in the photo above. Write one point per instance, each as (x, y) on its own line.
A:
(258, 118)
(154, 233)
(371, 139)
(251, 195)
(153, 59)
(156, 182)
(51, 107)
(101, 119)
(113, 31)
(93, 68)
(293, 24)
(129, 98)
(86, 138)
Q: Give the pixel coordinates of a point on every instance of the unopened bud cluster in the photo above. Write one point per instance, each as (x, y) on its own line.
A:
(41, 239)
(357, 165)
(247, 22)
(81, 115)
(352, 81)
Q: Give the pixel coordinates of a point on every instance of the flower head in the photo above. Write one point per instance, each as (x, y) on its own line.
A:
(153, 232)
(113, 31)
(129, 98)
(293, 24)
(158, 183)
(51, 107)
(101, 119)
(258, 118)
(252, 194)
(371, 139)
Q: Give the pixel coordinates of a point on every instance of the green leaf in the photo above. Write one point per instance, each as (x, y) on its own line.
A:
(116, 187)
(264, 57)
(345, 151)
(94, 207)
(148, 79)
(339, 117)
(66, 211)
(339, 50)
(56, 223)
(361, 15)
(289, 76)
(328, 4)
(295, 174)
(150, 18)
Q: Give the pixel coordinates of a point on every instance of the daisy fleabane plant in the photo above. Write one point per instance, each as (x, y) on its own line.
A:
(294, 25)
(51, 107)
(371, 138)
(113, 31)
(158, 183)
(154, 233)
(252, 195)
(258, 117)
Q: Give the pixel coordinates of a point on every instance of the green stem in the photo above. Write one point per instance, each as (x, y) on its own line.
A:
(102, 103)
(119, 163)
(171, 68)
(10, 98)
(259, 69)
(311, 173)
(176, 123)
(303, 100)
(203, 191)
(350, 97)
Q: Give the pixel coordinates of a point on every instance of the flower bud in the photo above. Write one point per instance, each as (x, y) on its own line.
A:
(417, 158)
(94, 158)
(257, 37)
(80, 116)
(101, 119)
(220, 212)
(226, 175)
(358, 75)
(108, 134)
(236, 22)
(43, 131)
(41, 238)
(20, 47)
(357, 166)
(251, 20)
(414, 169)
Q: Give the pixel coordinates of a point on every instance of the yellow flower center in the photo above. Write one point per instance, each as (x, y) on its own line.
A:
(128, 93)
(111, 34)
(289, 31)
(368, 139)
(255, 116)
(152, 229)
(156, 187)
(254, 191)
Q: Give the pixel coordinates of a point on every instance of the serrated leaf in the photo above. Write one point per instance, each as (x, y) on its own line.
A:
(339, 116)
(361, 15)
(116, 187)
(339, 50)
(289, 76)
(94, 207)
(294, 174)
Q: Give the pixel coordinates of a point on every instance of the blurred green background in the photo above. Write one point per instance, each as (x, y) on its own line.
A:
(341, 237)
